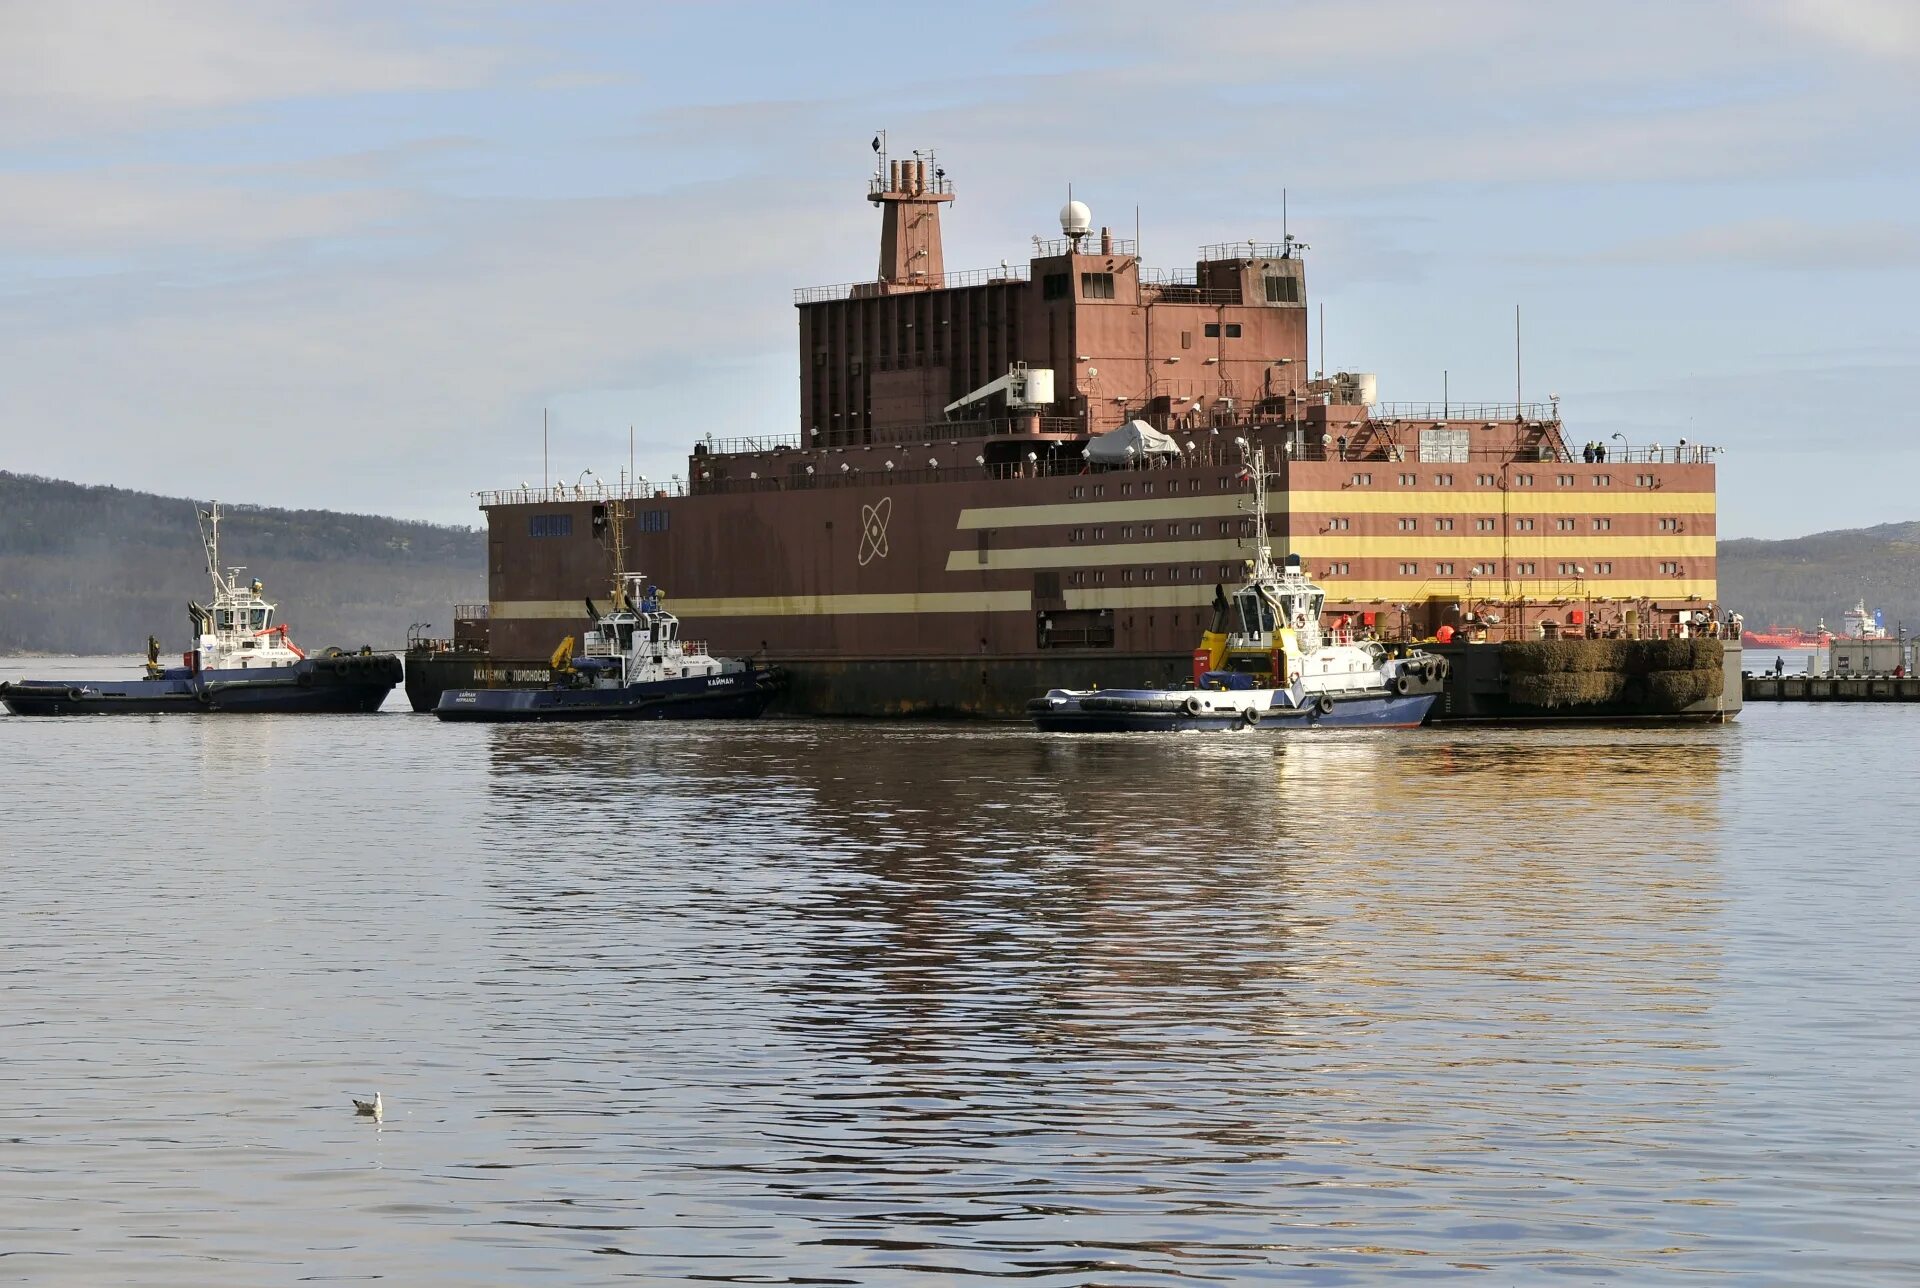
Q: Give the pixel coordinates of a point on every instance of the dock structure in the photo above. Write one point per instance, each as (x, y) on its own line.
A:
(1830, 688)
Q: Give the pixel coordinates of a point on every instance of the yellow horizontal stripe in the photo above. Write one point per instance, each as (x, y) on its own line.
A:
(1487, 501)
(975, 601)
(1410, 591)
(1333, 546)
(1037, 516)
(1095, 556)
(1489, 545)
(1494, 589)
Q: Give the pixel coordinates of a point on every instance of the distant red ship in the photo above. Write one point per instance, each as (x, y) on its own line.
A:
(1786, 637)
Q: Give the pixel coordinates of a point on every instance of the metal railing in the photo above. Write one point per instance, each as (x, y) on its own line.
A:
(881, 185)
(945, 281)
(1088, 244)
(1251, 250)
(560, 493)
(1454, 411)
(745, 445)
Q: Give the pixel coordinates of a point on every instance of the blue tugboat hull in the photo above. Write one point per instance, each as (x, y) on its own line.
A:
(740, 695)
(315, 685)
(1164, 711)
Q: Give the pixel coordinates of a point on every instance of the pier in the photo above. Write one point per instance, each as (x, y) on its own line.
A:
(1830, 688)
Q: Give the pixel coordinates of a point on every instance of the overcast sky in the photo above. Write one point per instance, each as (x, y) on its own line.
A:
(343, 255)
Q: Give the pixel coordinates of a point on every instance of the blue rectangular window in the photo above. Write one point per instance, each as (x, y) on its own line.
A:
(653, 521)
(550, 525)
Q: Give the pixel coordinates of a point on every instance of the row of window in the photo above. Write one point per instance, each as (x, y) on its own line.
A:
(1082, 491)
(1093, 286)
(1444, 568)
(1490, 569)
(1339, 523)
(1190, 572)
(1364, 478)
(1522, 523)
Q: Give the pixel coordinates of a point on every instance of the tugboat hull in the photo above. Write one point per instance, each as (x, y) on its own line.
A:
(337, 685)
(740, 695)
(1173, 711)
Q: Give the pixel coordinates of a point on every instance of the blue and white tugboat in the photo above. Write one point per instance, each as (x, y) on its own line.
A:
(1267, 664)
(633, 665)
(241, 661)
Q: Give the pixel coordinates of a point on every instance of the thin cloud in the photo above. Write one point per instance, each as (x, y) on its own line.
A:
(1776, 244)
(75, 68)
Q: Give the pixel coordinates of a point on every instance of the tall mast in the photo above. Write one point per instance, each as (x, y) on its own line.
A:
(210, 539)
(1262, 552)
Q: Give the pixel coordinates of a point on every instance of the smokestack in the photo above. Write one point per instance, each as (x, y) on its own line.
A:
(1106, 240)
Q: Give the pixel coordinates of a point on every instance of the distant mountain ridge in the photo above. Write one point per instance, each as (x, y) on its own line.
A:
(1804, 580)
(87, 569)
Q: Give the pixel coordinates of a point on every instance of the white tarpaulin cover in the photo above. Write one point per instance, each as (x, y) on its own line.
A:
(1134, 441)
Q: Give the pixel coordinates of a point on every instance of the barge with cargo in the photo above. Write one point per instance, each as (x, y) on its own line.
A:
(938, 534)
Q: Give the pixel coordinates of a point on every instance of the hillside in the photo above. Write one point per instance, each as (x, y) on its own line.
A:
(1800, 581)
(97, 569)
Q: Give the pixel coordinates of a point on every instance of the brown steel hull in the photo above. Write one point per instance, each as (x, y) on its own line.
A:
(1000, 688)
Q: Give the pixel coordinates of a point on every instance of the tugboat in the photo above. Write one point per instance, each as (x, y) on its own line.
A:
(1266, 664)
(633, 666)
(242, 661)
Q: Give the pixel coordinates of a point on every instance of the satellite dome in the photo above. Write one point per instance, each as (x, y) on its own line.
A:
(1075, 219)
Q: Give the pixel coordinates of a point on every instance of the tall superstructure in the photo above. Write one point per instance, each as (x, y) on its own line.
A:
(1121, 341)
(1032, 474)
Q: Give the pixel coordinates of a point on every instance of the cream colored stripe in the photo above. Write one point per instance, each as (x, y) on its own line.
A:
(1035, 516)
(1457, 546)
(1095, 556)
(1488, 545)
(1523, 500)
(1493, 589)
(979, 601)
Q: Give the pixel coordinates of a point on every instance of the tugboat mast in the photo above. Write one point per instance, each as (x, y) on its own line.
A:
(1262, 552)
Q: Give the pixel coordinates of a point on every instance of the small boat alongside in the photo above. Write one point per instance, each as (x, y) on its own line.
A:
(633, 665)
(242, 661)
(1267, 664)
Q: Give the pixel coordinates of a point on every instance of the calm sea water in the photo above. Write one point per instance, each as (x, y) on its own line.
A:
(847, 1003)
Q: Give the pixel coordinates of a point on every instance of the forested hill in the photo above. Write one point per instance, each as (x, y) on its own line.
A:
(1800, 581)
(97, 569)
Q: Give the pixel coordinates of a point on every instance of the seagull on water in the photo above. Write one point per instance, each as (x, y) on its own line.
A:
(368, 1108)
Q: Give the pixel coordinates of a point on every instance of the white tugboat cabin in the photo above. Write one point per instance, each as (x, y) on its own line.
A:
(238, 631)
(639, 643)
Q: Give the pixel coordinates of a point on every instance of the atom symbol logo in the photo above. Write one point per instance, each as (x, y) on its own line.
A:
(873, 530)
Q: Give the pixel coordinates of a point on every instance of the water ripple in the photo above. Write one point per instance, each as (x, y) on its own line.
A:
(812, 1003)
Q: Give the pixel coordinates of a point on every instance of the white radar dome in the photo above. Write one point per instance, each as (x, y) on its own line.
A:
(1075, 219)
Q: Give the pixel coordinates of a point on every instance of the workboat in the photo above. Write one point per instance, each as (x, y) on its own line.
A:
(633, 665)
(1267, 663)
(242, 660)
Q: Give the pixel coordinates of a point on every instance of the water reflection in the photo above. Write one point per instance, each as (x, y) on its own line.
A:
(866, 1003)
(1006, 998)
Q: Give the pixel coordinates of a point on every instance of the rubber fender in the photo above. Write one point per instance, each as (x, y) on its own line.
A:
(1249, 718)
(1324, 705)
